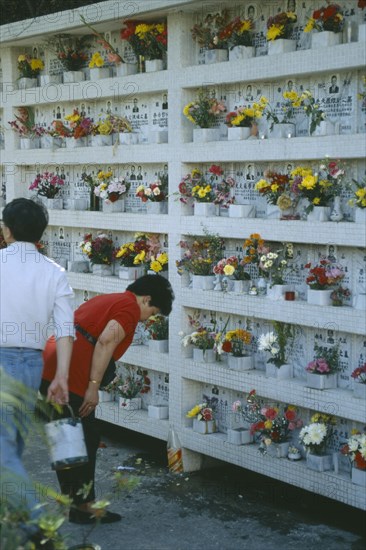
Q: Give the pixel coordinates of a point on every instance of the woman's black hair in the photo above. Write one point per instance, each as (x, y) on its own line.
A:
(26, 219)
(158, 288)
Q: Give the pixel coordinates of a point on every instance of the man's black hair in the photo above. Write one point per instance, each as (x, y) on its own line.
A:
(158, 288)
(26, 219)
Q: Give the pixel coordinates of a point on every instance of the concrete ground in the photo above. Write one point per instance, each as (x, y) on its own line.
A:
(224, 507)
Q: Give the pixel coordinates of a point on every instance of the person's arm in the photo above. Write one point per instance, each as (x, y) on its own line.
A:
(58, 389)
(110, 338)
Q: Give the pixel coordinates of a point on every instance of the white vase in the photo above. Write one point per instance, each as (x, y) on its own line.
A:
(125, 69)
(130, 273)
(24, 83)
(76, 204)
(362, 32)
(277, 292)
(45, 79)
(51, 142)
(238, 53)
(72, 143)
(215, 56)
(51, 204)
(159, 346)
(105, 396)
(360, 215)
(102, 270)
(319, 463)
(359, 390)
(204, 426)
(261, 286)
(358, 477)
(203, 356)
(324, 128)
(77, 266)
(205, 209)
(319, 297)
(242, 211)
(284, 372)
(203, 282)
(321, 381)
(280, 46)
(359, 301)
(278, 450)
(128, 138)
(70, 77)
(325, 39)
(239, 436)
(161, 412)
(29, 143)
(158, 136)
(336, 214)
(97, 73)
(319, 214)
(241, 287)
(203, 135)
(238, 133)
(240, 363)
(101, 141)
(111, 207)
(133, 404)
(155, 208)
(283, 130)
(153, 65)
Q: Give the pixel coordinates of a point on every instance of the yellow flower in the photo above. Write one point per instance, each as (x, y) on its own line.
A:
(139, 258)
(202, 193)
(229, 269)
(156, 266)
(21, 58)
(194, 412)
(361, 193)
(309, 25)
(246, 25)
(260, 185)
(249, 112)
(291, 15)
(207, 188)
(140, 188)
(309, 182)
(274, 32)
(274, 187)
(36, 64)
(195, 172)
(105, 128)
(162, 258)
(73, 117)
(316, 200)
(160, 28)
(325, 183)
(284, 202)
(142, 29)
(268, 424)
(292, 96)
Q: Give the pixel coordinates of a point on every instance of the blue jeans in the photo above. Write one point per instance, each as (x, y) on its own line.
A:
(24, 365)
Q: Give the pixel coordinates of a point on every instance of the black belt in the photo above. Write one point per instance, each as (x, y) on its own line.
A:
(110, 372)
(86, 335)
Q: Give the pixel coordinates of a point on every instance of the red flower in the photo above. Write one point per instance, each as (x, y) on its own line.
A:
(271, 414)
(215, 169)
(361, 4)
(226, 346)
(360, 461)
(290, 415)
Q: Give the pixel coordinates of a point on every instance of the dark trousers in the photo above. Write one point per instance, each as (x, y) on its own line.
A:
(73, 479)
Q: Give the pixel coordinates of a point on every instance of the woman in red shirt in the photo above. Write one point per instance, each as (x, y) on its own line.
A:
(105, 326)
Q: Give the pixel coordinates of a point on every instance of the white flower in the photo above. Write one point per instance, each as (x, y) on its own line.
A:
(88, 247)
(186, 340)
(268, 264)
(271, 255)
(266, 341)
(156, 191)
(263, 258)
(148, 192)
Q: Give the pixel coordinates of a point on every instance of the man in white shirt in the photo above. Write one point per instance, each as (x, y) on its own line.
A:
(35, 301)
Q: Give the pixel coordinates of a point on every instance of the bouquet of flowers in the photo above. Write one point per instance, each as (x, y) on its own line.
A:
(58, 129)
(213, 32)
(134, 383)
(29, 67)
(254, 249)
(326, 360)
(80, 126)
(239, 32)
(326, 18)
(277, 342)
(223, 186)
(359, 374)
(204, 111)
(203, 338)
(199, 257)
(100, 250)
(187, 183)
(244, 117)
(359, 198)
(323, 276)
(232, 267)
(109, 188)
(276, 189)
(317, 434)
(148, 40)
(159, 262)
(70, 50)
(102, 127)
(275, 264)
(287, 110)
(133, 253)
(201, 412)
(119, 124)
(355, 449)
(312, 110)
(47, 185)
(281, 25)
(339, 294)
(158, 327)
(112, 55)
(203, 192)
(24, 124)
(235, 342)
(157, 191)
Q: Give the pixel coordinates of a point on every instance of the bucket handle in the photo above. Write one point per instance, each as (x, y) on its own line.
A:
(73, 417)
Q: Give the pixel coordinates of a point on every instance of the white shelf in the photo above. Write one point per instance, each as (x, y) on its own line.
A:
(142, 356)
(345, 319)
(123, 221)
(95, 283)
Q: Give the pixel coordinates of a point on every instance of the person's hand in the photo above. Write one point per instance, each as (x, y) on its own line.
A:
(90, 401)
(58, 391)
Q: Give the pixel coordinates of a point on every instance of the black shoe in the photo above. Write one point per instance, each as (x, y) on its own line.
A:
(38, 538)
(82, 517)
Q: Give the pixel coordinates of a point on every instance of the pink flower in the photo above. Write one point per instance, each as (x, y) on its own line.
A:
(291, 426)
(236, 406)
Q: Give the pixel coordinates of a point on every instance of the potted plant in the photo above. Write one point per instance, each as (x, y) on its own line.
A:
(158, 328)
(355, 449)
(213, 34)
(321, 372)
(28, 131)
(240, 39)
(53, 138)
(318, 125)
(254, 250)
(185, 189)
(359, 385)
(29, 68)
(236, 343)
(203, 419)
(111, 190)
(198, 259)
(359, 201)
(281, 118)
(149, 41)
(315, 437)
(279, 194)
(132, 257)
(326, 25)
(72, 53)
(159, 264)
(321, 281)
(204, 113)
(81, 127)
(48, 185)
(102, 133)
(338, 296)
(96, 66)
(130, 386)
(277, 344)
(241, 435)
(242, 123)
(279, 33)
(275, 265)
(203, 341)
(155, 195)
(234, 269)
(100, 252)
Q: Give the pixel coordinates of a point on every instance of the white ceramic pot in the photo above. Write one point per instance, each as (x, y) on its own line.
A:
(358, 477)
(105, 396)
(50, 142)
(261, 286)
(24, 83)
(77, 266)
(102, 270)
(128, 138)
(100, 141)
(319, 297)
(133, 404)
(45, 79)
(125, 69)
(70, 77)
(155, 208)
(203, 135)
(204, 426)
(153, 65)
(359, 390)
(207, 357)
(284, 372)
(239, 436)
(277, 292)
(158, 136)
(72, 143)
(238, 133)
(161, 412)
(130, 273)
(159, 346)
(321, 381)
(116, 206)
(324, 128)
(240, 287)
(319, 214)
(280, 46)
(325, 39)
(242, 211)
(238, 53)
(51, 204)
(205, 209)
(240, 363)
(215, 56)
(97, 73)
(278, 450)
(203, 282)
(29, 143)
(283, 130)
(319, 463)
(76, 204)
(362, 32)
(360, 215)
